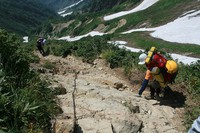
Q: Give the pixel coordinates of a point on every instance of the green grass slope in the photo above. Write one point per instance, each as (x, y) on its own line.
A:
(160, 13)
(22, 16)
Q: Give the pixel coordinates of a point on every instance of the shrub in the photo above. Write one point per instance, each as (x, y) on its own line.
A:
(48, 65)
(88, 48)
(189, 76)
(26, 102)
(121, 58)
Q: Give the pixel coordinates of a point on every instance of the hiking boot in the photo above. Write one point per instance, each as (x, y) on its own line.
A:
(167, 92)
(150, 97)
(138, 95)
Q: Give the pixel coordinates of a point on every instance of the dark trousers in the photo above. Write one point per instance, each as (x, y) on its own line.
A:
(40, 48)
(155, 88)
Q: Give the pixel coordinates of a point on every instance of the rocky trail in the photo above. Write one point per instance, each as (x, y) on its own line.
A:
(103, 100)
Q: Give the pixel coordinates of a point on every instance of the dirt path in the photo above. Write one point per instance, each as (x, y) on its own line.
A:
(105, 102)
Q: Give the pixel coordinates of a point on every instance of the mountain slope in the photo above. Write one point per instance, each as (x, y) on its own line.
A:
(160, 13)
(58, 4)
(99, 5)
(21, 16)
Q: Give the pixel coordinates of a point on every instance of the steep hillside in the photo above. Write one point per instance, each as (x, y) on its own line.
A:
(91, 6)
(21, 16)
(160, 13)
(88, 15)
(58, 4)
(99, 5)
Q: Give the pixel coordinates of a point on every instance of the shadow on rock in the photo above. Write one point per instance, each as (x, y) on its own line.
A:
(78, 129)
(174, 99)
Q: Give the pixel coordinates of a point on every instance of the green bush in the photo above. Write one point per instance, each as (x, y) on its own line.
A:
(91, 47)
(26, 102)
(88, 48)
(190, 76)
(48, 65)
(121, 58)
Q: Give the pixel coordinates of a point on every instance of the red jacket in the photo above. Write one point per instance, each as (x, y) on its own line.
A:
(157, 61)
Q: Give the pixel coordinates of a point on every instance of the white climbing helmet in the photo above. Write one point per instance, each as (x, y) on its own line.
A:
(142, 58)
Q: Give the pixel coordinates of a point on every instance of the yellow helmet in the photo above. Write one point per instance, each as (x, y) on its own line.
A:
(171, 66)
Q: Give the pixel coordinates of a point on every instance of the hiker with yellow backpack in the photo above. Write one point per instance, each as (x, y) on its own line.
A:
(160, 69)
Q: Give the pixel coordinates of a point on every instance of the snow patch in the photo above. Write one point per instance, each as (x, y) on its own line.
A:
(184, 59)
(141, 29)
(73, 5)
(183, 30)
(144, 5)
(66, 14)
(62, 11)
(25, 39)
(92, 33)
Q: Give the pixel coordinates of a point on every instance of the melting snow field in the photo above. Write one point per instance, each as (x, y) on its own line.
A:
(144, 5)
(185, 29)
(92, 33)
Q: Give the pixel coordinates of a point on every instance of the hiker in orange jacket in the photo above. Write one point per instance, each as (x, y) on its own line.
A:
(160, 69)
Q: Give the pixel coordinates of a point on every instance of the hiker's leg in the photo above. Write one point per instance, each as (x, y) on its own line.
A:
(42, 50)
(152, 92)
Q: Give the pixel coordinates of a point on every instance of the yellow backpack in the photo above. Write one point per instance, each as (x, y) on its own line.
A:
(151, 52)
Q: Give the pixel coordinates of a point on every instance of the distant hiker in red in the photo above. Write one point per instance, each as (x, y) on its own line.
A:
(40, 43)
(162, 70)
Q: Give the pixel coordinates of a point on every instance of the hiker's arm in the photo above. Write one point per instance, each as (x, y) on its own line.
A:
(148, 76)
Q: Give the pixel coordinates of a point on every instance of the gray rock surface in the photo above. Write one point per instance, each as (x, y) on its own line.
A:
(101, 108)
